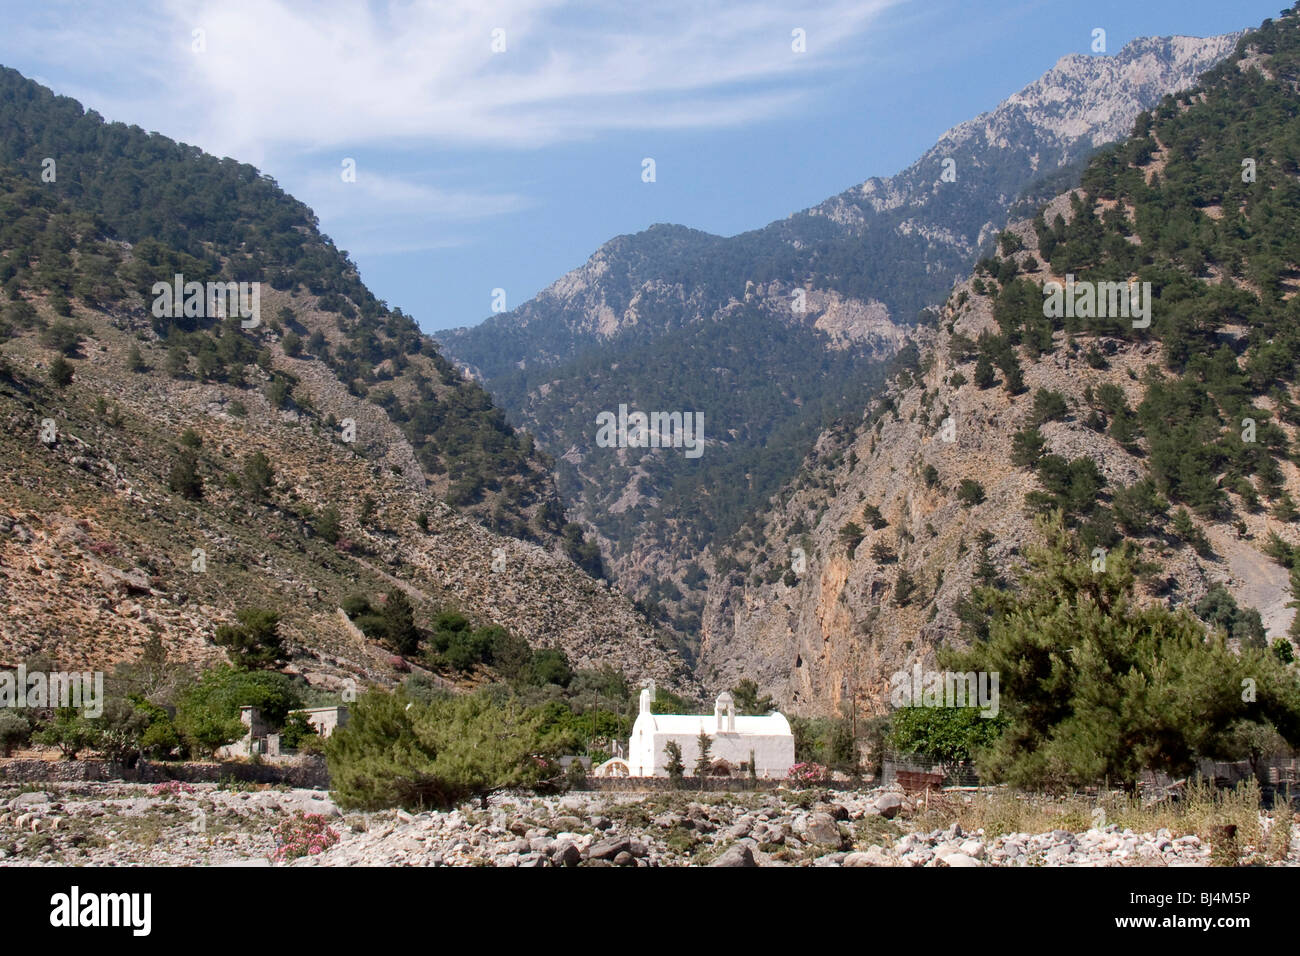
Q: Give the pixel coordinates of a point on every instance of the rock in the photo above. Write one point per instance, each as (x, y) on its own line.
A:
(624, 859)
(29, 799)
(959, 859)
(566, 854)
(834, 811)
(822, 828)
(738, 854)
(566, 823)
(888, 805)
(872, 856)
(608, 849)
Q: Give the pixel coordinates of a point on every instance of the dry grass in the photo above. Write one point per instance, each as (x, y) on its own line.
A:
(1201, 810)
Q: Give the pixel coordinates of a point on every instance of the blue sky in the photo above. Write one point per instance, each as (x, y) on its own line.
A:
(479, 169)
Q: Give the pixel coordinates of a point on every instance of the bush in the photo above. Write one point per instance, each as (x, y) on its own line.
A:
(303, 834)
(70, 731)
(882, 553)
(296, 730)
(551, 666)
(207, 713)
(904, 587)
(806, 774)
(951, 735)
(1049, 406)
(970, 492)
(62, 337)
(15, 731)
(329, 526)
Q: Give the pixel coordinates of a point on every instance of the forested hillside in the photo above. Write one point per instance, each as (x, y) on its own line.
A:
(313, 487)
(183, 211)
(776, 332)
(1176, 439)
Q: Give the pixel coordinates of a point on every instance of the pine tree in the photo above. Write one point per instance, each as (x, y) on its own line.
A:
(986, 572)
(705, 744)
(1094, 687)
(258, 475)
(676, 769)
(184, 477)
(398, 752)
(60, 372)
(399, 622)
(254, 643)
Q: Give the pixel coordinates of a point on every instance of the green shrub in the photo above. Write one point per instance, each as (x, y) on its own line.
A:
(970, 492)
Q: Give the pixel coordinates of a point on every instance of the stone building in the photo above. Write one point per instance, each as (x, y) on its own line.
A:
(257, 738)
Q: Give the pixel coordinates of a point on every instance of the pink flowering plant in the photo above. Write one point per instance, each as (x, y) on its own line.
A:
(171, 788)
(303, 834)
(806, 773)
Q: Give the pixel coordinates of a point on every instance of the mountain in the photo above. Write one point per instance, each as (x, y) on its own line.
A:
(1178, 438)
(772, 334)
(164, 471)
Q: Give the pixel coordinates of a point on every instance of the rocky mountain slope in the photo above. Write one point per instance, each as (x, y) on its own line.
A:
(797, 316)
(162, 473)
(1177, 438)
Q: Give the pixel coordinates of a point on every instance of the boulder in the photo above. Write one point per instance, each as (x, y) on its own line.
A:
(738, 854)
(566, 854)
(610, 848)
(888, 805)
(822, 828)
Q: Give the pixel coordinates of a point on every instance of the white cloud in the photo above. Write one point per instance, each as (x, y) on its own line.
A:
(381, 193)
(322, 75)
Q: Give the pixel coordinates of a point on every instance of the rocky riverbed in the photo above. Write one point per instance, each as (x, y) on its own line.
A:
(132, 824)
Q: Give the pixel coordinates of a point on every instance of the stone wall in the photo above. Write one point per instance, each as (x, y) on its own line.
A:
(695, 784)
(301, 772)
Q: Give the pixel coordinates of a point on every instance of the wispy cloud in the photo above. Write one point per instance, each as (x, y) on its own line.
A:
(378, 192)
(322, 75)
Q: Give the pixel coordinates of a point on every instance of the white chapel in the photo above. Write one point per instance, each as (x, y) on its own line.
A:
(736, 741)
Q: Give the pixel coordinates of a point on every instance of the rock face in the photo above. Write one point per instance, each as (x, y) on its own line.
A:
(864, 262)
(838, 627)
